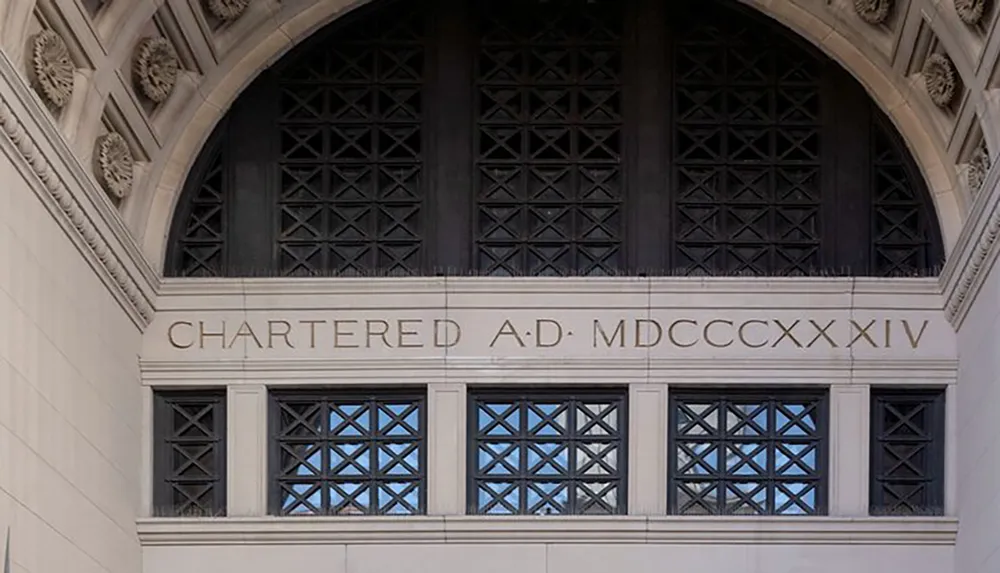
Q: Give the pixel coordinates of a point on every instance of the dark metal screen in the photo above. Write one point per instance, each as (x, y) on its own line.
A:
(344, 454)
(201, 244)
(189, 465)
(901, 237)
(907, 452)
(549, 177)
(555, 138)
(747, 151)
(543, 453)
(747, 454)
(351, 154)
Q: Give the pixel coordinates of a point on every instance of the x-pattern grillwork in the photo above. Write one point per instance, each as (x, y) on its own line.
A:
(747, 455)
(203, 239)
(907, 465)
(351, 168)
(746, 151)
(350, 455)
(741, 152)
(547, 454)
(191, 454)
(900, 238)
(548, 145)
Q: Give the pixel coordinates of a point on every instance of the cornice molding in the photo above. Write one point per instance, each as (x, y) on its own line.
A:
(53, 171)
(975, 253)
(507, 371)
(663, 530)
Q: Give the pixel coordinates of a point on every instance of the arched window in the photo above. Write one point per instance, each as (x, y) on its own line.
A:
(554, 138)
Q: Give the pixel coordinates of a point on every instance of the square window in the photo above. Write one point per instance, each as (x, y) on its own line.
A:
(907, 452)
(348, 454)
(189, 462)
(747, 453)
(542, 453)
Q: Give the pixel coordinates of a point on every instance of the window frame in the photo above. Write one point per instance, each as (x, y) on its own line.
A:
(935, 398)
(610, 393)
(325, 395)
(819, 394)
(163, 411)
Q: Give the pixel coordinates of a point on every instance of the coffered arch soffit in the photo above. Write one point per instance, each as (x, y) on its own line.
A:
(149, 213)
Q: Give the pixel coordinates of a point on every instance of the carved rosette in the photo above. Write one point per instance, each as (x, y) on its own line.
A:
(227, 10)
(113, 164)
(156, 68)
(873, 11)
(51, 67)
(939, 79)
(979, 166)
(970, 11)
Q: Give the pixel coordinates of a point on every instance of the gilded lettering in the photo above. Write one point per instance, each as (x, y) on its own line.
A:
(382, 333)
(245, 331)
(202, 334)
(673, 339)
(743, 338)
(173, 341)
(447, 343)
(401, 324)
(619, 333)
(914, 342)
(786, 332)
(707, 334)
(507, 330)
(821, 332)
(337, 333)
(539, 324)
(312, 330)
(284, 335)
(862, 333)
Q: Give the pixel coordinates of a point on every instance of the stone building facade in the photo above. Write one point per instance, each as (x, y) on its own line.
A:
(546, 285)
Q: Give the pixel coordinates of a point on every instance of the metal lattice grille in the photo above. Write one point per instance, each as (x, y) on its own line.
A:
(190, 455)
(907, 453)
(547, 454)
(746, 150)
(548, 169)
(745, 454)
(900, 239)
(351, 164)
(555, 138)
(203, 241)
(349, 455)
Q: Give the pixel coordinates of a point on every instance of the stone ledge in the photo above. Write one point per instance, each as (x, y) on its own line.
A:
(534, 530)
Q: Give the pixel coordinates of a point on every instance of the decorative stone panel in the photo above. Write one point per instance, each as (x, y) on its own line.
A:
(979, 166)
(227, 10)
(51, 69)
(113, 165)
(874, 12)
(155, 69)
(970, 11)
(940, 79)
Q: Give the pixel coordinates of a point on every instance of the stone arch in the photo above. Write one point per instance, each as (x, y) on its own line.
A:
(152, 214)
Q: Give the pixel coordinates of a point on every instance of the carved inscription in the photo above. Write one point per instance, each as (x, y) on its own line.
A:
(675, 333)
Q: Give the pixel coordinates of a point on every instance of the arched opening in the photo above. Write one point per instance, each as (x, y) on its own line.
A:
(554, 138)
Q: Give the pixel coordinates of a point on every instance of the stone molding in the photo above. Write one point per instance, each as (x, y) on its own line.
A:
(974, 255)
(486, 371)
(544, 529)
(73, 197)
